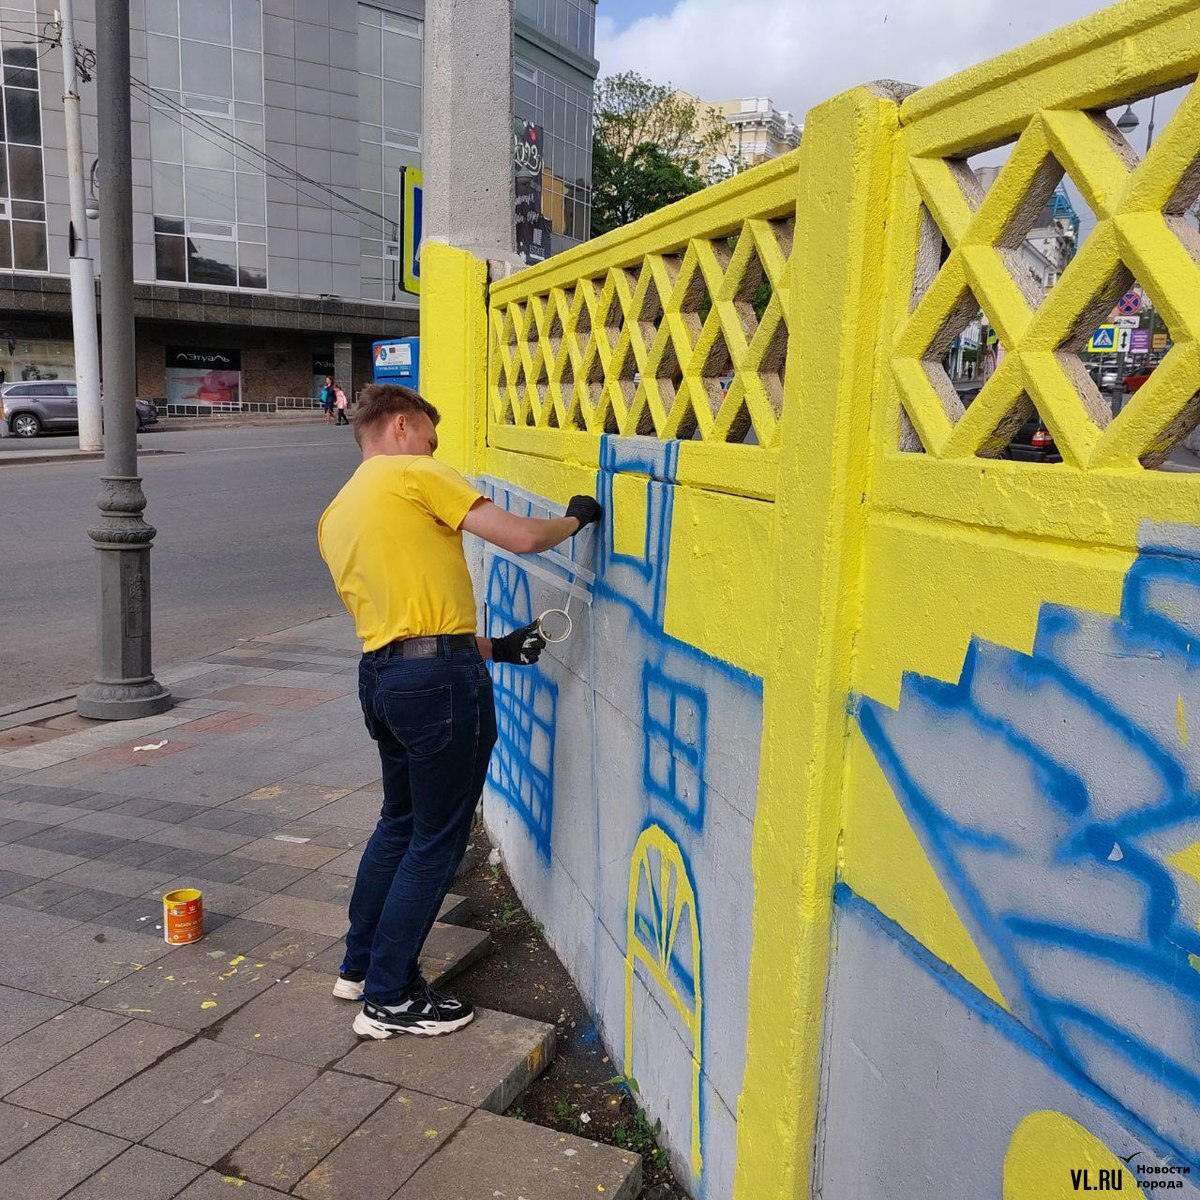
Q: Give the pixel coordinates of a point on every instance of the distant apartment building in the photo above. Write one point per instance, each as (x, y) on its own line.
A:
(1054, 238)
(269, 140)
(1043, 256)
(755, 131)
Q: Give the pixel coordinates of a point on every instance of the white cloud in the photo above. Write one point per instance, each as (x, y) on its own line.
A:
(799, 52)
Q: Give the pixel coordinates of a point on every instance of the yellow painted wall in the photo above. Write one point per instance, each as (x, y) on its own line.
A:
(931, 586)
(722, 576)
(864, 539)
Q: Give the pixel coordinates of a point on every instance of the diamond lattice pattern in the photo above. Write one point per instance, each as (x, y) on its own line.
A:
(1143, 231)
(670, 347)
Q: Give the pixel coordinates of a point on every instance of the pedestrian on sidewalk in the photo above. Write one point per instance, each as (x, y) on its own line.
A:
(392, 539)
(328, 398)
(339, 403)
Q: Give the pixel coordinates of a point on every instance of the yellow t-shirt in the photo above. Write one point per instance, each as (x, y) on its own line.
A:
(391, 541)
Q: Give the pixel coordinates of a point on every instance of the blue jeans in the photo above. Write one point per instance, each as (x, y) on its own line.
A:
(435, 724)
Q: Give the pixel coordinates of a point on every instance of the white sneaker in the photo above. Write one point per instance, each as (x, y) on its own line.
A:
(347, 988)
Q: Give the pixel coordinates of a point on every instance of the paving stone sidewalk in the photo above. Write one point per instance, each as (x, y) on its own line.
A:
(133, 1070)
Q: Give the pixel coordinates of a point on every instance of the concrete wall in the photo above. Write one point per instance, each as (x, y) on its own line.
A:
(862, 801)
(623, 793)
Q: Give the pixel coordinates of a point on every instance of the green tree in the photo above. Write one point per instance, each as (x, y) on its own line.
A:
(650, 143)
(624, 189)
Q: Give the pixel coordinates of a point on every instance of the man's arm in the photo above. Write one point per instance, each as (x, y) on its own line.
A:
(526, 535)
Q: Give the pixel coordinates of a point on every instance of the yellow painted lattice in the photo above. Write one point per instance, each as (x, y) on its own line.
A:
(1143, 232)
(686, 340)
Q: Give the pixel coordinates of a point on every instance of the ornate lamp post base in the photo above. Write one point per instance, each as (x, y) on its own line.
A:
(125, 686)
(123, 701)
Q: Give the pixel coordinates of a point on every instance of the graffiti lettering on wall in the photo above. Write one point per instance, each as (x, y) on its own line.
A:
(665, 689)
(1056, 794)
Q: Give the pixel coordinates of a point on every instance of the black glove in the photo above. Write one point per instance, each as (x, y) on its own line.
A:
(522, 646)
(585, 510)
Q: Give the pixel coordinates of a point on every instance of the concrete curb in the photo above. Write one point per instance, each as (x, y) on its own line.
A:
(29, 711)
(170, 425)
(52, 456)
(59, 704)
(177, 424)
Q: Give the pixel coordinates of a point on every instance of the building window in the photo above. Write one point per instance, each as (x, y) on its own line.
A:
(570, 22)
(206, 122)
(22, 177)
(390, 51)
(564, 114)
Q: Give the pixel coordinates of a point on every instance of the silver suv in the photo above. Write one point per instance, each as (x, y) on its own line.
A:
(50, 404)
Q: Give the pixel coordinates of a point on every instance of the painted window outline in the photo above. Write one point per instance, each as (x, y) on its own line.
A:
(526, 713)
(654, 948)
(663, 698)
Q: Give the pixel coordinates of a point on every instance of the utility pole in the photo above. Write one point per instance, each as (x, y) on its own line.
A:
(83, 276)
(469, 190)
(125, 686)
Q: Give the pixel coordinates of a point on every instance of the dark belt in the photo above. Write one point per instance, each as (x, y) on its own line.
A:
(426, 647)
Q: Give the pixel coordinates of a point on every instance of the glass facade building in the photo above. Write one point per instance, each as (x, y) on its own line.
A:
(390, 55)
(269, 139)
(23, 240)
(204, 89)
(553, 80)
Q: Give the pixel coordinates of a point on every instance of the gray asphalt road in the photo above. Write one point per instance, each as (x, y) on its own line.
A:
(235, 556)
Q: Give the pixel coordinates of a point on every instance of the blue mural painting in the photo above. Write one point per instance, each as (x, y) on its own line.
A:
(1056, 794)
(522, 765)
(675, 734)
(676, 679)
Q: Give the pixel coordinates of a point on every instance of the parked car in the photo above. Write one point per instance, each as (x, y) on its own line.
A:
(44, 406)
(1135, 381)
(1106, 376)
(1031, 443)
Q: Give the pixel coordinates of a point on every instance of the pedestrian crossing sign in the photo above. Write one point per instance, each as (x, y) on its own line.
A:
(1104, 339)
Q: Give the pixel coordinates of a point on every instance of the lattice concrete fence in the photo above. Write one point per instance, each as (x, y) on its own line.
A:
(862, 804)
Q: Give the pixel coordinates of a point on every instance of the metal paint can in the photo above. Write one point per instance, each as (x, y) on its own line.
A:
(183, 916)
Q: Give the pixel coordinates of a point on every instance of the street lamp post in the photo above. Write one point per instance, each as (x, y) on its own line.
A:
(83, 279)
(125, 686)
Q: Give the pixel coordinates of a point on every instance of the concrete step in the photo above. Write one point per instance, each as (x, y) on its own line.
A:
(500, 1156)
(448, 950)
(455, 910)
(486, 1065)
(451, 949)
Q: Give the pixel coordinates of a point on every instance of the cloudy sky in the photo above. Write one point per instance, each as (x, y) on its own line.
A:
(799, 52)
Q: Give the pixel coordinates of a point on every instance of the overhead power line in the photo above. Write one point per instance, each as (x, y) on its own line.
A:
(283, 173)
(159, 96)
(298, 181)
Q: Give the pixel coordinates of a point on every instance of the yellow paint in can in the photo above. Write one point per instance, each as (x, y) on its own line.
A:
(183, 916)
